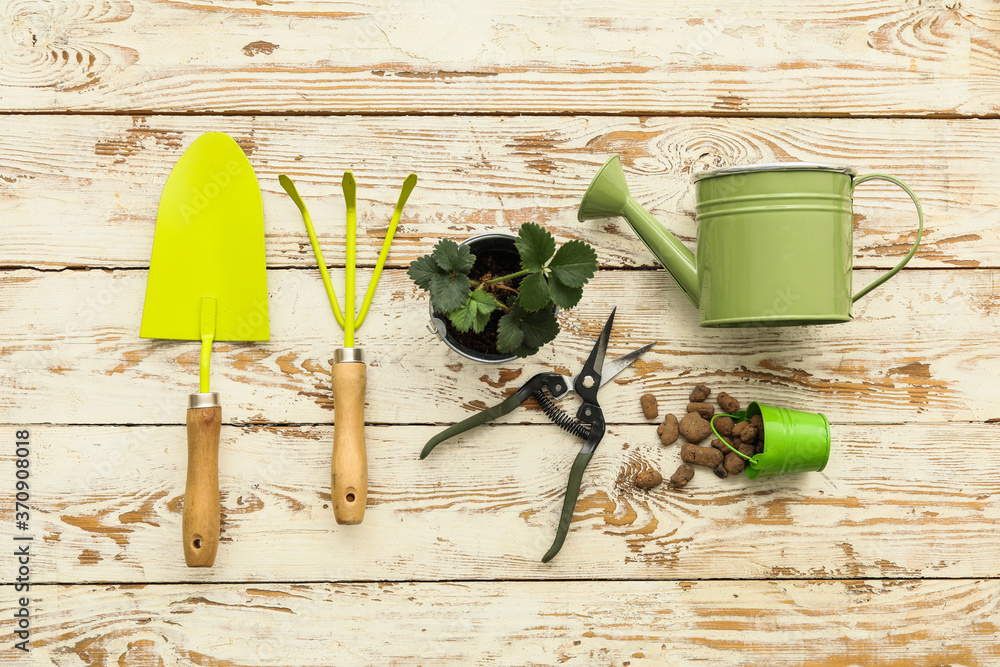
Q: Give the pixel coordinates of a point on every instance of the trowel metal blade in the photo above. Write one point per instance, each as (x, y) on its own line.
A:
(209, 242)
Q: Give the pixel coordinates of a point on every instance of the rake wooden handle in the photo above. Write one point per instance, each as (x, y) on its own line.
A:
(201, 496)
(349, 468)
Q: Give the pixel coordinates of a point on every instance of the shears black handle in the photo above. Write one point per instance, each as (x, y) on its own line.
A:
(573, 486)
(556, 384)
(589, 413)
(475, 420)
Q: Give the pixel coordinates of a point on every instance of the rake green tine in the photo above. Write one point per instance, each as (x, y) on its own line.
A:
(289, 187)
(350, 187)
(408, 185)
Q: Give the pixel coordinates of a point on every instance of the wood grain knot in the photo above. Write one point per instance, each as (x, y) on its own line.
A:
(31, 29)
(47, 44)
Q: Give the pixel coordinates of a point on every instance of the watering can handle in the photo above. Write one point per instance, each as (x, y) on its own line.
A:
(920, 227)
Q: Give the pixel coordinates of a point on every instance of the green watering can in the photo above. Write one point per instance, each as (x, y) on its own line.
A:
(775, 241)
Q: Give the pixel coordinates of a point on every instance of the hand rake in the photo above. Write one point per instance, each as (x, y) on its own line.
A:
(349, 468)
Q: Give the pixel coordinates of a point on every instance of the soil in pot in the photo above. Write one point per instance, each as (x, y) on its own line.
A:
(489, 264)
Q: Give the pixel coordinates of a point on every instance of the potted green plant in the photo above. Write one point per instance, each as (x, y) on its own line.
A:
(496, 295)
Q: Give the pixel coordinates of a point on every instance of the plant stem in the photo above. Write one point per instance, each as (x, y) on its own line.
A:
(503, 278)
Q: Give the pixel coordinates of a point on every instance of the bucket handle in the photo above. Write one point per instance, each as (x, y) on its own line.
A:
(739, 416)
(920, 227)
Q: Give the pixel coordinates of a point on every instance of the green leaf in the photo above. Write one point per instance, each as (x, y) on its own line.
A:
(574, 264)
(563, 296)
(452, 257)
(449, 293)
(535, 245)
(509, 334)
(526, 351)
(486, 304)
(533, 293)
(422, 270)
(539, 328)
(475, 313)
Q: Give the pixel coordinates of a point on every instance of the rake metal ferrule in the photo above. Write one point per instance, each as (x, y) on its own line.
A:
(348, 355)
(204, 400)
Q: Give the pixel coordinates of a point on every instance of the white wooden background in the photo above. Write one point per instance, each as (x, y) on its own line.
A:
(505, 110)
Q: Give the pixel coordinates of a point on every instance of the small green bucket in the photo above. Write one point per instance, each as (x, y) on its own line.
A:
(794, 441)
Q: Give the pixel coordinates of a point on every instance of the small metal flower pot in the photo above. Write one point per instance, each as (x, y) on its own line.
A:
(495, 243)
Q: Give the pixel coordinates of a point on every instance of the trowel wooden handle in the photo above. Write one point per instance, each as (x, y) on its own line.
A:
(201, 496)
(349, 469)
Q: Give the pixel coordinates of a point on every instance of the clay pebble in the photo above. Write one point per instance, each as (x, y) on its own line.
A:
(699, 393)
(701, 456)
(682, 476)
(722, 445)
(728, 403)
(734, 463)
(704, 409)
(724, 425)
(694, 427)
(668, 430)
(649, 407)
(647, 479)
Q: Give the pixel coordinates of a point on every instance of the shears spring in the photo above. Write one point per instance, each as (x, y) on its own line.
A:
(559, 417)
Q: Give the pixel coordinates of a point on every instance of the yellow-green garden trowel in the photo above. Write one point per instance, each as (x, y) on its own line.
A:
(207, 282)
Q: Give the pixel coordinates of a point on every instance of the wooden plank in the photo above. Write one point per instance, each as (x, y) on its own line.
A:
(908, 501)
(83, 191)
(921, 349)
(850, 57)
(819, 623)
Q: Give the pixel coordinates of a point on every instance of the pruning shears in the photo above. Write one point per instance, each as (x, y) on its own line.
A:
(588, 425)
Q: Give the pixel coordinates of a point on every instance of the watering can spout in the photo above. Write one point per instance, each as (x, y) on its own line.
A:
(608, 196)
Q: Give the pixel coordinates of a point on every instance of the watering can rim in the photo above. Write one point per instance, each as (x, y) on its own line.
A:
(774, 166)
